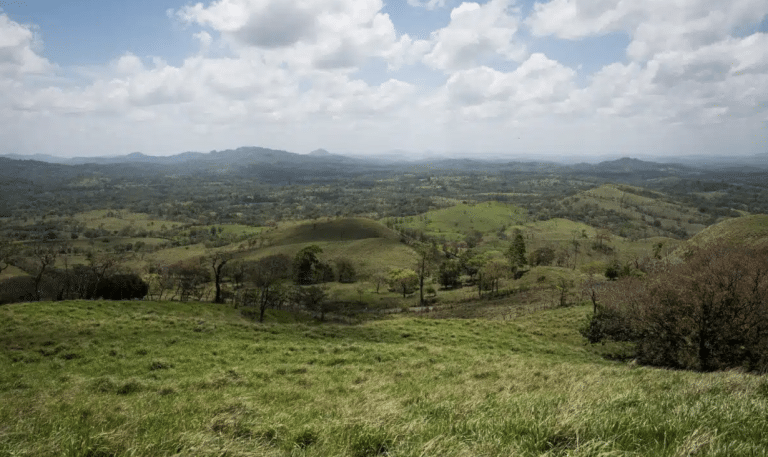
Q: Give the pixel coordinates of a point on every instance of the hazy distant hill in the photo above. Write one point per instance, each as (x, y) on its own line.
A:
(634, 168)
(283, 167)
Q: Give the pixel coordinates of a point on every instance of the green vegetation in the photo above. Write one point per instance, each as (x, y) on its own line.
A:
(314, 346)
(747, 230)
(460, 220)
(148, 378)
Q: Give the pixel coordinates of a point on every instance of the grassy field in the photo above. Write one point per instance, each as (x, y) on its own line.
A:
(151, 379)
(748, 230)
(455, 221)
(625, 200)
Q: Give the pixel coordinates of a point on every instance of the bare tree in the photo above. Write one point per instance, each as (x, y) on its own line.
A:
(45, 257)
(428, 255)
(217, 260)
(266, 274)
(102, 264)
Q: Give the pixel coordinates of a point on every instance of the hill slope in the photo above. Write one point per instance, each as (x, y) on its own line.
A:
(749, 230)
(146, 378)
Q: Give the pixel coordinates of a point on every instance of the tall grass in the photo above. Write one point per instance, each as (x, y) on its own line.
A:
(147, 378)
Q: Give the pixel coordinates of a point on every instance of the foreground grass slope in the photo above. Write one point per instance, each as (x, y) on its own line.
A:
(146, 378)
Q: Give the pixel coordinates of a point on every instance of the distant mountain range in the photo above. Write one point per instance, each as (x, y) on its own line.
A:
(256, 155)
(283, 167)
(237, 156)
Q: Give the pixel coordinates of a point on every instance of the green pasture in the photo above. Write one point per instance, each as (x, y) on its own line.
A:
(464, 218)
(181, 379)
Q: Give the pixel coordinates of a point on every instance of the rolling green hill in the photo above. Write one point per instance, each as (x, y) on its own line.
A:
(749, 230)
(456, 221)
(344, 229)
(147, 378)
(641, 206)
(370, 245)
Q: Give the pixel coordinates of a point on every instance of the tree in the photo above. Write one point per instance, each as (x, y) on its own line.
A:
(217, 260)
(345, 270)
(266, 274)
(492, 272)
(449, 273)
(122, 287)
(516, 251)
(102, 264)
(708, 313)
(563, 286)
(44, 257)
(403, 280)
(477, 263)
(467, 265)
(543, 256)
(473, 238)
(378, 278)
(428, 254)
(190, 279)
(306, 265)
(314, 298)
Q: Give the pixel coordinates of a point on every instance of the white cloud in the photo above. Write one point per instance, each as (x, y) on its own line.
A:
(534, 88)
(476, 34)
(428, 4)
(18, 50)
(306, 34)
(653, 25)
(293, 75)
(685, 66)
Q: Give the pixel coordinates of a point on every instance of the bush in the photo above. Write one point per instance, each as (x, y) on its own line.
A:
(543, 256)
(346, 271)
(121, 287)
(706, 314)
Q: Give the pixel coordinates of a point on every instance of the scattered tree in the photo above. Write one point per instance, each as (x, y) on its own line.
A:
(492, 272)
(306, 265)
(428, 255)
(217, 261)
(543, 256)
(266, 274)
(403, 280)
(516, 251)
(314, 298)
(449, 273)
(378, 278)
(345, 270)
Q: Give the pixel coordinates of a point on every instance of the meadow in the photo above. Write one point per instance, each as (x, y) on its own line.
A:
(97, 378)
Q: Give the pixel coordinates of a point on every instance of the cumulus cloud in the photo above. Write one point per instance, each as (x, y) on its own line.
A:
(532, 89)
(17, 50)
(302, 66)
(475, 34)
(306, 34)
(684, 64)
(653, 25)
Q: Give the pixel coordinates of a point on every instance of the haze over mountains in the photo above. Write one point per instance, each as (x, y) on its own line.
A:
(250, 155)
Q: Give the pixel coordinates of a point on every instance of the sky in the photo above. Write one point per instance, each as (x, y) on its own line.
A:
(539, 79)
